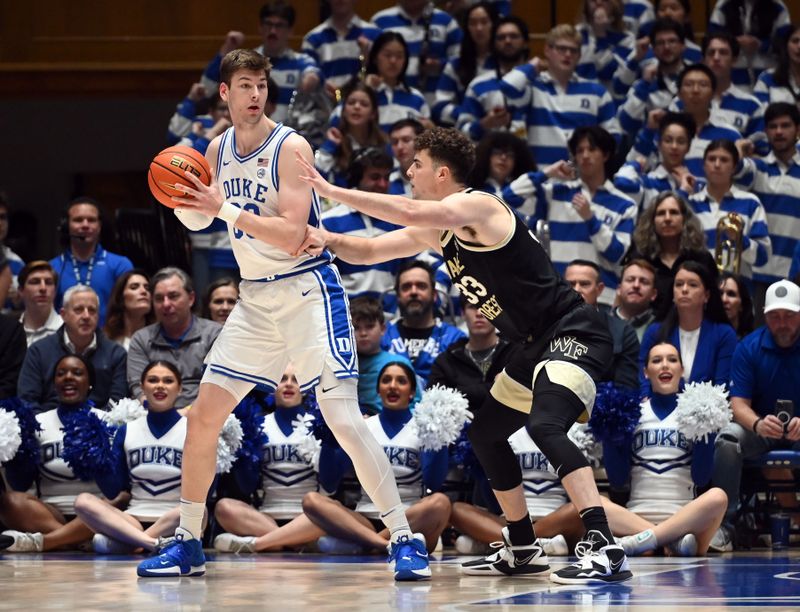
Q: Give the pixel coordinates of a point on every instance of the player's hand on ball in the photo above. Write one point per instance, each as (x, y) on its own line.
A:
(309, 174)
(204, 199)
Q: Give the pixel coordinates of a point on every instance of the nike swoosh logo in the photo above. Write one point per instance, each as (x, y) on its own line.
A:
(225, 163)
(164, 562)
(525, 561)
(324, 390)
(305, 293)
(616, 566)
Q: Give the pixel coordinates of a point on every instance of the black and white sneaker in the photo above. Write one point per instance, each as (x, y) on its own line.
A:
(606, 565)
(509, 560)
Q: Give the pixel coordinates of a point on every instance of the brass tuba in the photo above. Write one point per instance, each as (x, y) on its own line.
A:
(728, 247)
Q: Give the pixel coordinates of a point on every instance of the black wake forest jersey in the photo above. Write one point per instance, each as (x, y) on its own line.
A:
(513, 283)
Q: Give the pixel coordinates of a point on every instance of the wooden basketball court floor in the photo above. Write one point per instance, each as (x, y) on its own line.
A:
(64, 581)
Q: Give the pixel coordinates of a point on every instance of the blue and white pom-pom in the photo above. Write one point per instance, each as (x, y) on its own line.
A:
(229, 442)
(580, 434)
(615, 415)
(10, 435)
(308, 447)
(124, 411)
(86, 447)
(251, 420)
(702, 410)
(439, 417)
(28, 452)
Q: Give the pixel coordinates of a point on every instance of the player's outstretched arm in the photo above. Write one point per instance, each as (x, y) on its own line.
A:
(404, 242)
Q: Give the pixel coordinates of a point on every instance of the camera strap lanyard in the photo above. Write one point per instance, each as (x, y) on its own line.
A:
(89, 271)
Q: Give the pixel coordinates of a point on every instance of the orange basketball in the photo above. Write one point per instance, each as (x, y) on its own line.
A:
(167, 169)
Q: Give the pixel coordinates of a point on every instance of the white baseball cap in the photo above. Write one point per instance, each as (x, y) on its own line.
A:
(782, 295)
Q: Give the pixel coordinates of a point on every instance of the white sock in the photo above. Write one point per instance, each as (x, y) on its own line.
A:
(644, 541)
(370, 462)
(191, 524)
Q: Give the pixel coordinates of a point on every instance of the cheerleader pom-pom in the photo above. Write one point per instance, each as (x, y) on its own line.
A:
(579, 433)
(615, 415)
(10, 435)
(87, 448)
(308, 447)
(702, 410)
(440, 416)
(251, 420)
(124, 411)
(228, 444)
(28, 450)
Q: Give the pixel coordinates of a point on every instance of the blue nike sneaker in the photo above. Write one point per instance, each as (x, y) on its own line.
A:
(410, 557)
(179, 558)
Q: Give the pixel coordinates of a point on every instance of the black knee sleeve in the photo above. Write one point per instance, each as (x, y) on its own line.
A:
(555, 410)
(488, 435)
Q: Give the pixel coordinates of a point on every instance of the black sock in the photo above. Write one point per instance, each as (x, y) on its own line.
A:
(594, 519)
(521, 532)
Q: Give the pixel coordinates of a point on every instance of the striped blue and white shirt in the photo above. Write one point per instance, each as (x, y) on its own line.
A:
(394, 104)
(437, 27)
(768, 91)
(399, 184)
(603, 239)
(338, 55)
(756, 245)
(644, 97)
(450, 90)
(777, 186)
(638, 16)
(483, 94)
(549, 114)
(643, 188)
(600, 57)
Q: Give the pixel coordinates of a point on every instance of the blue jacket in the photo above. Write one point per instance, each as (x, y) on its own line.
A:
(442, 336)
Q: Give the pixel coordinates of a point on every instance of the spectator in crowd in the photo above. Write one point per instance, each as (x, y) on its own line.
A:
(130, 307)
(85, 261)
(782, 83)
(765, 370)
(584, 277)
(290, 70)
(13, 261)
(605, 43)
(775, 181)
(737, 303)
(471, 364)
(339, 45)
(220, 298)
(191, 109)
(638, 16)
(657, 90)
(549, 106)
(667, 233)
(418, 335)
(484, 108)
(368, 171)
(416, 469)
(636, 294)
(149, 450)
(696, 86)
(12, 354)
(755, 25)
(78, 336)
(675, 133)
(500, 157)
(47, 521)
(432, 37)
(681, 11)
(719, 198)
(401, 139)
(285, 476)
(358, 129)
(588, 216)
(177, 335)
(37, 284)
(697, 325)
(386, 74)
(369, 326)
(731, 105)
(206, 128)
(475, 58)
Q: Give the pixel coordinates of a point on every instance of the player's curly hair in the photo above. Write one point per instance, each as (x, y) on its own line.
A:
(449, 147)
(242, 59)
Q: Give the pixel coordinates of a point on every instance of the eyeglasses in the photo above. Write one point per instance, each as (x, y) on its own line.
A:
(566, 49)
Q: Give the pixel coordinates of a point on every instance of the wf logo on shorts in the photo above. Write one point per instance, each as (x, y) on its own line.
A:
(568, 346)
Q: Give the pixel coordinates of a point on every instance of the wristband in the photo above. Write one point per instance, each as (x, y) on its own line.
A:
(756, 422)
(229, 213)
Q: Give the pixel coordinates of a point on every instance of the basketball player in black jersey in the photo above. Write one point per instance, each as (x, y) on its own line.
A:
(499, 266)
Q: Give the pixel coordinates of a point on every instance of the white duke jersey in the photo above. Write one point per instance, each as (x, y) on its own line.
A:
(154, 466)
(543, 490)
(405, 458)
(661, 467)
(286, 476)
(252, 183)
(58, 484)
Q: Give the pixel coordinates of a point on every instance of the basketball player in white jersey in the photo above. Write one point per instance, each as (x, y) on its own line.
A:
(290, 308)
